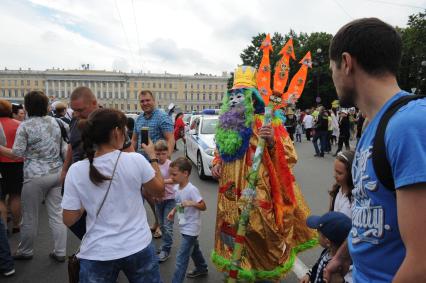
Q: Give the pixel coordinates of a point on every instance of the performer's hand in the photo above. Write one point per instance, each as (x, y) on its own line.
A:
(267, 133)
(217, 170)
(305, 279)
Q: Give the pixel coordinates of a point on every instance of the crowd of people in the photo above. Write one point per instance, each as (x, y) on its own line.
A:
(77, 165)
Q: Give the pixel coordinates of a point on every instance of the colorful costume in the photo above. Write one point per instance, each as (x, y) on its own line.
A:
(275, 229)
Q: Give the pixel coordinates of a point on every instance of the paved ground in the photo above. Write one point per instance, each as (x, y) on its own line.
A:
(314, 176)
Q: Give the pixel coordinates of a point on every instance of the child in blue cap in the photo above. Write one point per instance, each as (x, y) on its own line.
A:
(333, 229)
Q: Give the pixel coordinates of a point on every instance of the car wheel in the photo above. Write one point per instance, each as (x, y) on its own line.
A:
(200, 167)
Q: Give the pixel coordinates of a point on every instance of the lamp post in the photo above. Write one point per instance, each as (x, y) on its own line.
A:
(318, 98)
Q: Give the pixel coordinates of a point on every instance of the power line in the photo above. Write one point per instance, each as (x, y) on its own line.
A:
(397, 4)
(137, 29)
(343, 9)
(124, 31)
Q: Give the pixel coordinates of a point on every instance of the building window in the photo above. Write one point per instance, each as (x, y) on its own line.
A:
(198, 86)
(28, 82)
(171, 85)
(36, 83)
(143, 84)
(22, 82)
(204, 96)
(153, 85)
(204, 86)
(148, 85)
(159, 85)
(210, 86)
(210, 97)
(221, 87)
(110, 94)
(215, 87)
(192, 96)
(136, 85)
(186, 95)
(186, 86)
(198, 96)
(192, 86)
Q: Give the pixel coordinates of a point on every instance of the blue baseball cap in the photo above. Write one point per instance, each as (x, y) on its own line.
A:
(334, 225)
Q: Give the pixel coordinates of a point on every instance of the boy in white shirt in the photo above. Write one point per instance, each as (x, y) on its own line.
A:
(189, 205)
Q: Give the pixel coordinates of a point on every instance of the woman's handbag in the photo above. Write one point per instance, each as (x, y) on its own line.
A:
(73, 261)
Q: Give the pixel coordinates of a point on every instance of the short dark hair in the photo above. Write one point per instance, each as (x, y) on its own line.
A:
(82, 92)
(147, 92)
(5, 108)
(374, 44)
(36, 103)
(182, 164)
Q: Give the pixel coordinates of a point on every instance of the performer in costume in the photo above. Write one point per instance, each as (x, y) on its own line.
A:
(276, 229)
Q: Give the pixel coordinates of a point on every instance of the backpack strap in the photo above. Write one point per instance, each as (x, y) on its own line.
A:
(381, 163)
(63, 130)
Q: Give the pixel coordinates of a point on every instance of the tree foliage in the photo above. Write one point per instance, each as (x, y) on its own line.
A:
(412, 74)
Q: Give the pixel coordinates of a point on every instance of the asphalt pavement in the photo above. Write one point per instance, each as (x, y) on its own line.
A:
(313, 174)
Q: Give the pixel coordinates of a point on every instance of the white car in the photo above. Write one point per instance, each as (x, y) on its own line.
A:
(200, 143)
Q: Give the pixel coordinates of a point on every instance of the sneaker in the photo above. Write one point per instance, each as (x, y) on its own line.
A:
(57, 257)
(196, 273)
(22, 257)
(9, 273)
(163, 256)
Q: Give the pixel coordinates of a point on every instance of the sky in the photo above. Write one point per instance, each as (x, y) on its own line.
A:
(173, 36)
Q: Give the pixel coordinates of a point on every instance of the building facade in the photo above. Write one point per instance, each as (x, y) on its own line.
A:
(116, 89)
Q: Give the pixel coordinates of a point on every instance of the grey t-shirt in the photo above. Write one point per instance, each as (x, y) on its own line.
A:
(38, 141)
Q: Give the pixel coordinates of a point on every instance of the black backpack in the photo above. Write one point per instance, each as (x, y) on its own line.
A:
(380, 162)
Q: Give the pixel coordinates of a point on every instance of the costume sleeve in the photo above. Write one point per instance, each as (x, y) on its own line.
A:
(290, 151)
(21, 139)
(216, 158)
(71, 200)
(406, 144)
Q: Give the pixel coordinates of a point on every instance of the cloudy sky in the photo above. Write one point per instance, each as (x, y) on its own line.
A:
(177, 36)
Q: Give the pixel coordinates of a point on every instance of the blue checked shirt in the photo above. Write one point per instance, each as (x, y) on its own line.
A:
(158, 124)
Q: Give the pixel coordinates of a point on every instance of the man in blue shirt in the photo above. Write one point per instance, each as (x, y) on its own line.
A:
(159, 123)
(386, 242)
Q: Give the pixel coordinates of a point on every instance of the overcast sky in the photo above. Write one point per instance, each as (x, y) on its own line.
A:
(177, 36)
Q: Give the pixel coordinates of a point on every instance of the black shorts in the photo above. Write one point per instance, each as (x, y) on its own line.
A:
(12, 176)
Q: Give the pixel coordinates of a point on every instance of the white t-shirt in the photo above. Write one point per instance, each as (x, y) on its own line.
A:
(192, 216)
(342, 204)
(308, 121)
(121, 228)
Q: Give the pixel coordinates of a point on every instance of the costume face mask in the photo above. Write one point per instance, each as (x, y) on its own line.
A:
(236, 98)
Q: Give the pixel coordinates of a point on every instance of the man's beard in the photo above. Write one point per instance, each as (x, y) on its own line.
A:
(348, 98)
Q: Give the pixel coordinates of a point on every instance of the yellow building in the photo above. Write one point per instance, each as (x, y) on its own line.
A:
(116, 89)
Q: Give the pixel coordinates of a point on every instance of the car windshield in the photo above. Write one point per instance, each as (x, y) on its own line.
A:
(209, 126)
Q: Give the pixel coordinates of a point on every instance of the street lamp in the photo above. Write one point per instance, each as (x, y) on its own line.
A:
(318, 98)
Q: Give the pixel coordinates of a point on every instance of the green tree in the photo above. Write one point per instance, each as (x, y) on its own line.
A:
(412, 73)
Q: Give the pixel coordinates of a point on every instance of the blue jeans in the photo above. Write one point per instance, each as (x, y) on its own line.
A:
(138, 268)
(322, 136)
(6, 261)
(189, 247)
(162, 209)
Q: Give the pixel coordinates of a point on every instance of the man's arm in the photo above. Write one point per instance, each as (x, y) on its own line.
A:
(170, 139)
(412, 224)
(67, 163)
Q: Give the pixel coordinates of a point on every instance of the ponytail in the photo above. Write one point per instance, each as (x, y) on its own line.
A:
(89, 149)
